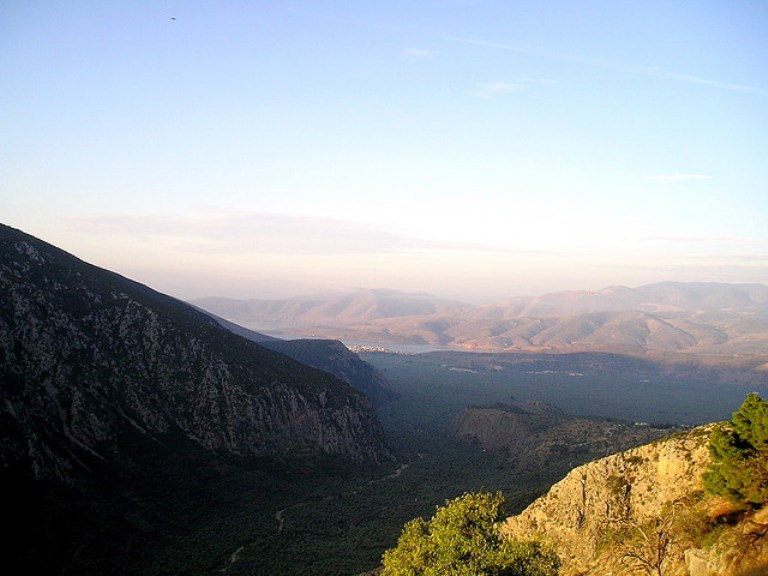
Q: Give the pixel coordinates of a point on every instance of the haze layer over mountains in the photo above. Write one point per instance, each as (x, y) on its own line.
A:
(699, 318)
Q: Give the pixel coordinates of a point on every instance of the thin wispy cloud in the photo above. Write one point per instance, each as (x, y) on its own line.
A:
(711, 240)
(419, 53)
(499, 45)
(245, 232)
(263, 232)
(679, 177)
(614, 65)
(494, 89)
(704, 258)
(706, 82)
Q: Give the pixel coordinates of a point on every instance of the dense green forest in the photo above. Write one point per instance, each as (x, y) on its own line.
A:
(304, 515)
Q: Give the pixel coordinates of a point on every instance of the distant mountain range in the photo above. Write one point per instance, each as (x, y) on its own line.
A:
(348, 308)
(698, 318)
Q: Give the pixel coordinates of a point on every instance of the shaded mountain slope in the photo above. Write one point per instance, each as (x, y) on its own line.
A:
(328, 355)
(251, 335)
(332, 356)
(85, 351)
(115, 396)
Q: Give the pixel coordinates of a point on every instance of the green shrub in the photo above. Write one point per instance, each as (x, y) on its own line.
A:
(463, 539)
(740, 456)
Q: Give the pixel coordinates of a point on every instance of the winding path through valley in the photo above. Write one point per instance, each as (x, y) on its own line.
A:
(280, 514)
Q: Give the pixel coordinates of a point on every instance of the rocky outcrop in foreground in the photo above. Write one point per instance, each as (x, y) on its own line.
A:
(643, 512)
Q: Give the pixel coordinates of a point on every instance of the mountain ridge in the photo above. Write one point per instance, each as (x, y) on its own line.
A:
(123, 407)
(324, 354)
(59, 310)
(714, 319)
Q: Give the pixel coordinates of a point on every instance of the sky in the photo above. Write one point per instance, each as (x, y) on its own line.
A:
(469, 149)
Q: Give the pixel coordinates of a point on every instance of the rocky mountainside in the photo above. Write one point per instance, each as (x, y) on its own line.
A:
(643, 509)
(104, 379)
(334, 357)
(86, 353)
(691, 318)
(327, 355)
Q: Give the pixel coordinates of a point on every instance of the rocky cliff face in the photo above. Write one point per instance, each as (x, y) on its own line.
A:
(87, 356)
(334, 357)
(613, 516)
(327, 355)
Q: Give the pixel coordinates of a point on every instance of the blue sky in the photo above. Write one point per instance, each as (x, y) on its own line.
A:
(467, 148)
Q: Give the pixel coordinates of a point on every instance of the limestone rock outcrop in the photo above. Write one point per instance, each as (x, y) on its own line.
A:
(611, 517)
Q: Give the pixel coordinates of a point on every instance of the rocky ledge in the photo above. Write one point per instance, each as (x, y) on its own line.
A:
(643, 511)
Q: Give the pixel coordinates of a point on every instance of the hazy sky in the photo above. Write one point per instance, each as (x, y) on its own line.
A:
(467, 148)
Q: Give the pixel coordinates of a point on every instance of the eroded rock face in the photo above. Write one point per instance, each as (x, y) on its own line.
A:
(86, 355)
(611, 517)
(629, 488)
(334, 357)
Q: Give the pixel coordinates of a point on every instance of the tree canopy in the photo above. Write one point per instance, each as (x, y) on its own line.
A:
(463, 539)
(740, 455)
